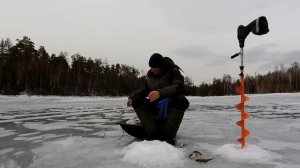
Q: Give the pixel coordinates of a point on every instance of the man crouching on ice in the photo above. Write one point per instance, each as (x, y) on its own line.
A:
(161, 103)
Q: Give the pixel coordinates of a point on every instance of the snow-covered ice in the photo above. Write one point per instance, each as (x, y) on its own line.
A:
(70, 132)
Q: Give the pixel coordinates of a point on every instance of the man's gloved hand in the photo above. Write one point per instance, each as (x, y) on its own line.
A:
(129, 102)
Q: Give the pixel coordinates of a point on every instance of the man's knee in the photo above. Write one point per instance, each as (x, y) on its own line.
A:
(138, 102)
(180, 102)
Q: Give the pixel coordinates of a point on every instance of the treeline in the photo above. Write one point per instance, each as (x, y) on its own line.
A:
(283, 80)
(23, 69)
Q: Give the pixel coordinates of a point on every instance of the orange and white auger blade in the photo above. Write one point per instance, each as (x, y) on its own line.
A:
(244, 115)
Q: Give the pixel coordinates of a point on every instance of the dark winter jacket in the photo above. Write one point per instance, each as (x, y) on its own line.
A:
(169, 82)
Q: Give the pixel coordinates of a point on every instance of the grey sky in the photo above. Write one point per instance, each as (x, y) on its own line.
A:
(199, 35)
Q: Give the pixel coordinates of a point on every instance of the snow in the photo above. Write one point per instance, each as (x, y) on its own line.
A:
(7, 150)
(251, 153)
(153, 154)
(4, 132)
(55, 131)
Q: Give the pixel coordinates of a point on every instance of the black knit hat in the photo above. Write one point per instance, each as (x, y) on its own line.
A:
(156, 60)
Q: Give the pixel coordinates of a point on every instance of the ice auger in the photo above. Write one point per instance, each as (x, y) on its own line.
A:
(257, 27)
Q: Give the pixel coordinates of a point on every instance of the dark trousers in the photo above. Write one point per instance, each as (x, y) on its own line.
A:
(164, 130)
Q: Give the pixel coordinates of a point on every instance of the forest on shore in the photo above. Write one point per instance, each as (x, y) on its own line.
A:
(27, 70)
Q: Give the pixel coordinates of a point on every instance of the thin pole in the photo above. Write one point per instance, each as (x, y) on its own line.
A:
(242, 57)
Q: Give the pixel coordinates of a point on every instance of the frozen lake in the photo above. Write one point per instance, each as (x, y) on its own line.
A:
(69, 132)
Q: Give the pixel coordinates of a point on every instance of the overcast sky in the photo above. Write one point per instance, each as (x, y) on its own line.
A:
(199, 35)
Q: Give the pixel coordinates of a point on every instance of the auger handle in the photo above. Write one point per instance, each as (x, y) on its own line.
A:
(235, 55)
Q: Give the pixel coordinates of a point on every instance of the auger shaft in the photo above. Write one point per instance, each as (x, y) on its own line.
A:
(241, 106)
